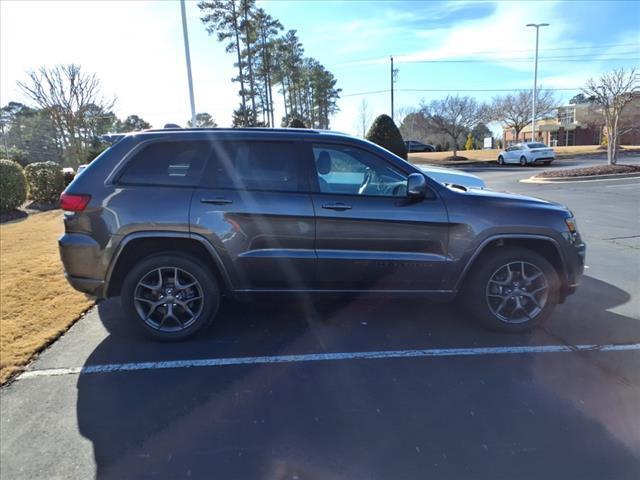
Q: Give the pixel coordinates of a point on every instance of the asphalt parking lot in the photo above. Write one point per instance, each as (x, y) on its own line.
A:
(355, 388)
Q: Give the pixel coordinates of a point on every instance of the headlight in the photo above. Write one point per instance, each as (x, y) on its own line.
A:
(571, 224)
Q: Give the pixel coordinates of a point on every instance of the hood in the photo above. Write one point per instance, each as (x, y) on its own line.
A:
(514, 198)
(453, 176)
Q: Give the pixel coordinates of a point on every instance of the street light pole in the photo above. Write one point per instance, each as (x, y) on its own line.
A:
(188, 58)
(535, 80)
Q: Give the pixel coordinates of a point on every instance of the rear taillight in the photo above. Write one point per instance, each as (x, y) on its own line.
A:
(74, 202)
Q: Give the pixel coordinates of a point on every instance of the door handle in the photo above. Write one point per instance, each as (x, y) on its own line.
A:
(340, 207)
(216, 201)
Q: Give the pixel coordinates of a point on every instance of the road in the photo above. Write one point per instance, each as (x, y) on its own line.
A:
(439, 398)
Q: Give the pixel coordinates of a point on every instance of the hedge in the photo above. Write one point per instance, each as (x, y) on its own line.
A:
(13, 185)
(45, 181)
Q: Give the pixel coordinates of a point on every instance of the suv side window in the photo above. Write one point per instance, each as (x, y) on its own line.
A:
(256, 165)
(167, 163)
(349, 170)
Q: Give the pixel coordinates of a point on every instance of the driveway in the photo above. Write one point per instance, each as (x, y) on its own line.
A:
(354, 388)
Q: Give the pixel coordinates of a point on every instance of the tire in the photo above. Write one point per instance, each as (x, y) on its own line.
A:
(523, 161)
(200, 295)
(500, 160)
(484, 296)
(547, 162)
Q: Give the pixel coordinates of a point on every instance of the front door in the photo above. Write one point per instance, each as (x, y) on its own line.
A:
(369, 234)
(254, 207)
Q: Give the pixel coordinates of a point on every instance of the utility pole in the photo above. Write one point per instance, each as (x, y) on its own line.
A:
(535, 80)
(394, 74)
(188, 58)
(391, 87)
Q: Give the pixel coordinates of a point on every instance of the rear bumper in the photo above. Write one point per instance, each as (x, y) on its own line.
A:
(82, 258)
(90, 286)
(543, 159)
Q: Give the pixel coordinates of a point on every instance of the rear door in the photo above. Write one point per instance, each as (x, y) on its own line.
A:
(369, 234)
(253, 205)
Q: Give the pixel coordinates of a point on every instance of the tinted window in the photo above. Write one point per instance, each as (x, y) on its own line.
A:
(536, 145)
(167, 163)
(347, 170)
(272, 166)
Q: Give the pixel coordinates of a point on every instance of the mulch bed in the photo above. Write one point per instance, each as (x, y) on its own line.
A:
(455, 158)
(590, 171)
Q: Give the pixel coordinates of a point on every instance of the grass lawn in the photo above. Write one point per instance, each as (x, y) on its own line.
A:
(492, 155)
(36, 302)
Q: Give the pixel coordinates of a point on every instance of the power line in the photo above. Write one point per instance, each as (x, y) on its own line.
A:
(567, 58)
(354, 63)
(374, 92)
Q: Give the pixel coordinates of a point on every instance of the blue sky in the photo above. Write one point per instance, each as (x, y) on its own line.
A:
(136, 49)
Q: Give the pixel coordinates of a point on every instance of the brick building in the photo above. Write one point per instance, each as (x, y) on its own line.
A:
(578, 125)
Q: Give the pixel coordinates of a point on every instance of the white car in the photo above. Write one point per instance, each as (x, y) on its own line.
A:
(451, 176)
(527, 153)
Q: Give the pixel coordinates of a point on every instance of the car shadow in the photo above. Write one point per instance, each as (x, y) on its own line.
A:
(400, 418)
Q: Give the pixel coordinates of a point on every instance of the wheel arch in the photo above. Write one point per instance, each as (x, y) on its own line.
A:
(546, 246)
(143, 244)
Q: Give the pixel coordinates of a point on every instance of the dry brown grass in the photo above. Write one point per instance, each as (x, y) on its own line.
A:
(36, 302)
(492, 155)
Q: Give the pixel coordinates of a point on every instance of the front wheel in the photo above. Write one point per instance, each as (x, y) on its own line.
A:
(170, 296)
(500, 160)
(512, 289)
(523, 161)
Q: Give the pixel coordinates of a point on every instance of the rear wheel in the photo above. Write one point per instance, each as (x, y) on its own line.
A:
(500, 160)
(523, 161)
(170, 296)
(512, 290)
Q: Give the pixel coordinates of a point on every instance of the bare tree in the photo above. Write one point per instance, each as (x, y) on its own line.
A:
(364, 117)
(455, 116)
(514, 110)
(613, 92)
(71, 98)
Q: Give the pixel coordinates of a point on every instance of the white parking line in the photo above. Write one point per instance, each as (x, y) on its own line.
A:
(319, 357)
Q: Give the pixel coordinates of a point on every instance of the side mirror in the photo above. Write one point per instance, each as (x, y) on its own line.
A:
(416, 186)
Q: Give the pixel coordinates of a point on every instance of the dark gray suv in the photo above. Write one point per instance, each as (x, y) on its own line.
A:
(172, 219)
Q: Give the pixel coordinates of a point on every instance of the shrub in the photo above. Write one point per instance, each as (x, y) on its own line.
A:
(296, 123)
(45, 180)
(468, 145)
(13, 186)
(384, 132)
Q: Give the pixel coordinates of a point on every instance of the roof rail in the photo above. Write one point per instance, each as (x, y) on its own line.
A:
(230, 129)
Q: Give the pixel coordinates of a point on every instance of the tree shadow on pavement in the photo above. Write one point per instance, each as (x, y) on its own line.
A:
(455, 417)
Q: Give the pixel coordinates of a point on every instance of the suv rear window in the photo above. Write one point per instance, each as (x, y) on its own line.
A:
(249, 165)
(167, 163)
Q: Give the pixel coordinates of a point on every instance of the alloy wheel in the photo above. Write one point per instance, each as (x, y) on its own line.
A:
(517, 292)
(169, 299)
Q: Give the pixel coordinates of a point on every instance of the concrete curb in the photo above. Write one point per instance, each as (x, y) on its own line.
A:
(589, 178)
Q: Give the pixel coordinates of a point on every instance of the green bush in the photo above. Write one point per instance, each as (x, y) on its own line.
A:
(384, 132)
(296, 123)
(45, 180)
(13, 186)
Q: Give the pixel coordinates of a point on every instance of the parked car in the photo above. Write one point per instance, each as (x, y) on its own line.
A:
(452, 176)
(170, 220)
(415, 146)
(527, 153)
